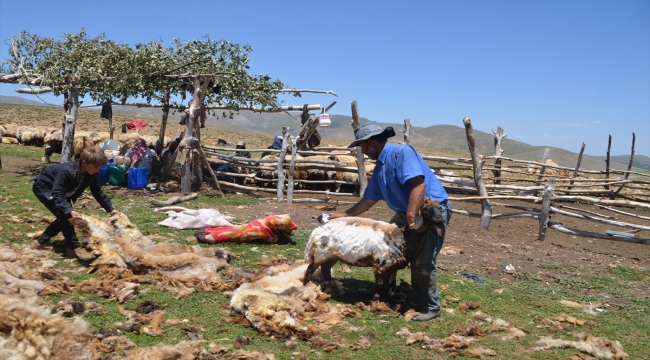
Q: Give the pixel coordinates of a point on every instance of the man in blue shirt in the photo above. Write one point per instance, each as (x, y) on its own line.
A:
(403, 179)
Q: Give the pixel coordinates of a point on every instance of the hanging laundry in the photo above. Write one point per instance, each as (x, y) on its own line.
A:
(107, 111)
(136, 124)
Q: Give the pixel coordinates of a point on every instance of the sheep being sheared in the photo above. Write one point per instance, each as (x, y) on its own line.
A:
(358, 242)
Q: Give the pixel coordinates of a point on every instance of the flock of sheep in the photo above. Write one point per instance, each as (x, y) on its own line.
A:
(52, 139)
(302, 172)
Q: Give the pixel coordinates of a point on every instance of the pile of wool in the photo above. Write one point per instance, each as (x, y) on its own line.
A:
(277, 303)
(27, 272)
(29, 330)
(120, 245)
(599, 347)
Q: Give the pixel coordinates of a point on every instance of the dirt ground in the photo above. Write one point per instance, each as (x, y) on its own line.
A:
(484, 252)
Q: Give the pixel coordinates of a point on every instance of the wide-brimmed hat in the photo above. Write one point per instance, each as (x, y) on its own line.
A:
(368, 130)
(241, 143)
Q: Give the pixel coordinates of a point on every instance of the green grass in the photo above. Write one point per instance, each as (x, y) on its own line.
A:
(523, 300)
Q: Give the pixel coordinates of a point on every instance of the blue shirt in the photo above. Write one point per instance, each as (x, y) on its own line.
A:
(396, 165)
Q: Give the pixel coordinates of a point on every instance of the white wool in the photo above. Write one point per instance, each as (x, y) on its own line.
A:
(338, 239)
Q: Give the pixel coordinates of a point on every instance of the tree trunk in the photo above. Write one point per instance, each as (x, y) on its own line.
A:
(478, 178)
(192, 134)
(163, 124)
(498, 135)
(70, 119)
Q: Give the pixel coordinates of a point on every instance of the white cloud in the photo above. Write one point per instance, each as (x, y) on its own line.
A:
(597, 122)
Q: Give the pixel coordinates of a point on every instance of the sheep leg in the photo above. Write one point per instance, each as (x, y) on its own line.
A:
(380, 288)
(308, 273)
(386, 286)
(326, 269)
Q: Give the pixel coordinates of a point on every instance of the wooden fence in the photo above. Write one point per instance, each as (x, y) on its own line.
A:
(481, 179)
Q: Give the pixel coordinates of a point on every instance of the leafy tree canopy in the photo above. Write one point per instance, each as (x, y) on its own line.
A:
(111, 72)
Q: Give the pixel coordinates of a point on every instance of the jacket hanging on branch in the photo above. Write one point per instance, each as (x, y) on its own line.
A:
(107, 111)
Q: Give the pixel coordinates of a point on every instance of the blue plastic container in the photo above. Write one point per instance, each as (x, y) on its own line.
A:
(102, 175)
(138, 178)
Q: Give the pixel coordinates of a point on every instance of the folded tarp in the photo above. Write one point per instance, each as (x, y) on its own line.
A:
(270, 229)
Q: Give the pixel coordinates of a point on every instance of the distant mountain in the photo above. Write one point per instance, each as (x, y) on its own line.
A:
(640, 161)
(5, 99)
(443, 137)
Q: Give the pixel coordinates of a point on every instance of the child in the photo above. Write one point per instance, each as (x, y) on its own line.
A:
(58, 186)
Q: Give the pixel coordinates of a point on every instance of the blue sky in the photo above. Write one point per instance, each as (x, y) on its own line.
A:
(553, 73)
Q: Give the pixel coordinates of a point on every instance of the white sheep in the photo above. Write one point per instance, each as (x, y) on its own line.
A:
(9, 140)
(358, 242)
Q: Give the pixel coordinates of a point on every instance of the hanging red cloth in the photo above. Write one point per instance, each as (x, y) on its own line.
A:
(270, 229)
(136, 124)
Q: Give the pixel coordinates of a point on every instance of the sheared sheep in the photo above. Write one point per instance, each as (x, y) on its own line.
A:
(358, 242)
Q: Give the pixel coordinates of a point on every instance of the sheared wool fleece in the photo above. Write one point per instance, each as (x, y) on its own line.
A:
(278, 303)
(29, 330)
(121, 245)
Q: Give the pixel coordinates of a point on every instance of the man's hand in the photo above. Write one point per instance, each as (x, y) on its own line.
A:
(74, 214)
(337, 215)
(115, 212)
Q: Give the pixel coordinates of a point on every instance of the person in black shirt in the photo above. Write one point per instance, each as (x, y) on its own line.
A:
(58, 186)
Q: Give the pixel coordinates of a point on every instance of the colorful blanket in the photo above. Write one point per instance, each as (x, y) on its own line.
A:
(270, 229)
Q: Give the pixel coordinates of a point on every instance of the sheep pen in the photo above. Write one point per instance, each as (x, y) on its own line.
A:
(568, 266)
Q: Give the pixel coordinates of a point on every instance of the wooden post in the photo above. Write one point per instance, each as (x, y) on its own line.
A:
(575, 172)
(498, 135)
(283, 153)
(629, 166)
(163, 124)
(305, 114)
(546, 206)
(363, 182)
(207, 165)
(609, 147)
(292, 167)
(478, 178)
(355, 115)
(543, 168)
(70, 119)
(407, 131)
(192, 133)
(111, 127)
